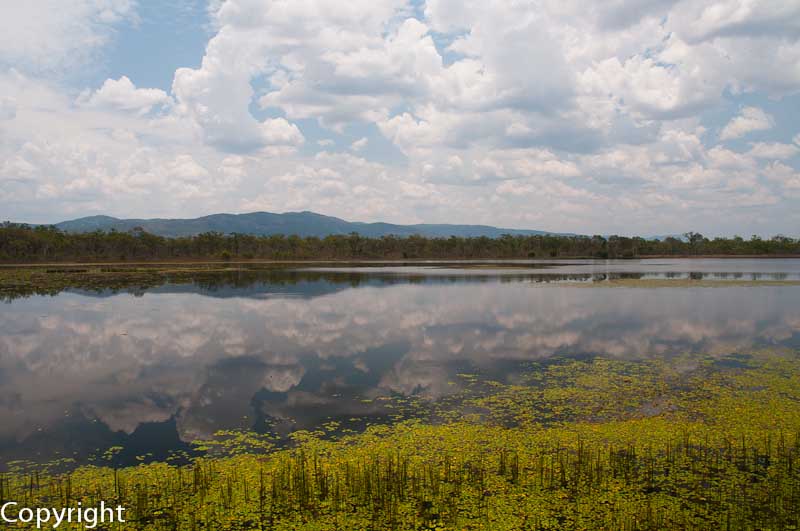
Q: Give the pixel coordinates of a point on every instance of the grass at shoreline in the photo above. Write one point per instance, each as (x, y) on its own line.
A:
(674, 283)
(585, 445)
(51, 280)
(267, 261)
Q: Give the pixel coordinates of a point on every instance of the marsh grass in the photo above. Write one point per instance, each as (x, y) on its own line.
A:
(654, 283)
(26, 281)
(16, 282)
(461, 477)
(580, 446)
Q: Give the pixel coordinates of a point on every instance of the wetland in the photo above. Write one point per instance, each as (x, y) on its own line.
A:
(580, 394)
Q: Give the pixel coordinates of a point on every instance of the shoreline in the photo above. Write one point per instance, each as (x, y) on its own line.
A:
(411, 261)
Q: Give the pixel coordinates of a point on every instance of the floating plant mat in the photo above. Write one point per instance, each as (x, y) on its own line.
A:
(671, 283)
(686, 443)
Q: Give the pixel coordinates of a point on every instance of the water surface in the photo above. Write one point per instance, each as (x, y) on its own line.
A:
(153, 369)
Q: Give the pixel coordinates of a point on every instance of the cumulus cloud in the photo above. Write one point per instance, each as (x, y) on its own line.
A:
(217, 102)
(549, 114)
(708, 20)
(749, 119)
(785, 176)
(186, 168)
(123, 95)
(773, 150)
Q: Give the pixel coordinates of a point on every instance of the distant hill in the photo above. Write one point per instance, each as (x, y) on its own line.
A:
(266, 223)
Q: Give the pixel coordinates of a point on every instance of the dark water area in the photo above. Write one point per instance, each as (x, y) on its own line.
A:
(153, 369)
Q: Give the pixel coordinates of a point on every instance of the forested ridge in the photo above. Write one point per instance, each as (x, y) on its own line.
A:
(23, 243)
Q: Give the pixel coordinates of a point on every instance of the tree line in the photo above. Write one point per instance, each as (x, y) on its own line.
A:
(24, 243)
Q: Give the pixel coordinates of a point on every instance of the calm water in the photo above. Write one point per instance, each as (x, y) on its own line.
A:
(154, 369)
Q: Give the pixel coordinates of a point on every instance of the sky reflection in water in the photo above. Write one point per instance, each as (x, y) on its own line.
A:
(82, 371)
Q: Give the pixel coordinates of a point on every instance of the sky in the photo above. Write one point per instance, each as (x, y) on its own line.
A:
(618, 117)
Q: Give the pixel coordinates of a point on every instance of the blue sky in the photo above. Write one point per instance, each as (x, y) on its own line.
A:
(630, 116)
(149, 48)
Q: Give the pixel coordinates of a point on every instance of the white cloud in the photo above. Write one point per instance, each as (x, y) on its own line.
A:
(217, 102)
(8, 109)
(558, 115)
(786, 176)
(359, 144)
(749, 119)
(56, 34)
(600, 81)
(123, 95)
(711, 19)
(278, 131)
(184, 167)
(773, 150)
(232, 170)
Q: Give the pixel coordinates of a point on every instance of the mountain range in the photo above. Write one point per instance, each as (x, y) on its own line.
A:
(267, 223)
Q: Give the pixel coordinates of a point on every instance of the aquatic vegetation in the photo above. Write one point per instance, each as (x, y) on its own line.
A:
(595, 444)
(136, 278)
(18, 282)
(680, 283)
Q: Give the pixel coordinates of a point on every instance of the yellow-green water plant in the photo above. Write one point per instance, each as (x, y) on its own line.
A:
(694, 443)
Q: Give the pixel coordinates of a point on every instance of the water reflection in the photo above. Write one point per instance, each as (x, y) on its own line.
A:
(263, 281)
(88, 370)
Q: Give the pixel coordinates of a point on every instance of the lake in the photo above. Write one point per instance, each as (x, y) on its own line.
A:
(152, 369)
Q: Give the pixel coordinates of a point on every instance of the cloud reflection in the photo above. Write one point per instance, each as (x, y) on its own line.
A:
(211, 363)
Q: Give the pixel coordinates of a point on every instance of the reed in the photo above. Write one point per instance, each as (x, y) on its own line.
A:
(574, 450)
(465, 477)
